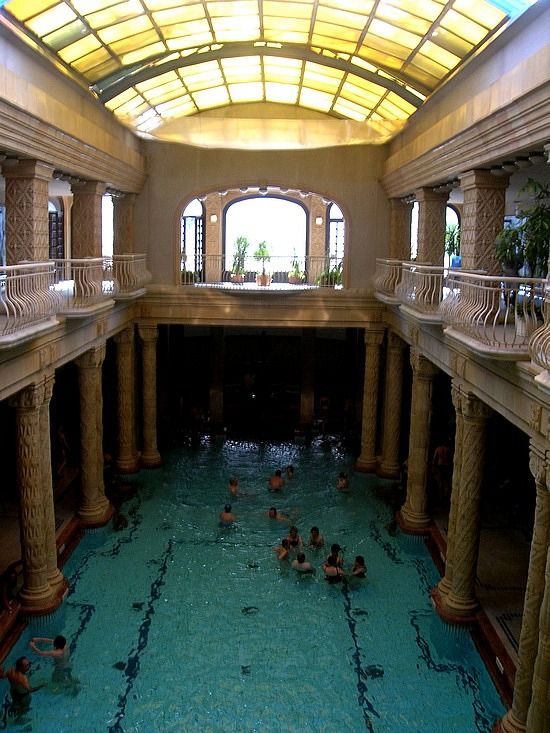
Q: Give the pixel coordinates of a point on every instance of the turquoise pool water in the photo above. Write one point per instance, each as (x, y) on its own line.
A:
(178, 625)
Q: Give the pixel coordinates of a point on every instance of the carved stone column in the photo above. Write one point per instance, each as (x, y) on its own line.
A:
(461, 601)
(445, 584)
(150, 457)
(367, 460)
(431, 225)
(123, 223)
(482, 218)
(390, 465)
(515, 720)
(307, 387)
(36, 593)
(95, 508)
(414, 512)
(86, 218)
(127, 459)
(400, 229)
(27, 233)
(55, 576)
(539, 711)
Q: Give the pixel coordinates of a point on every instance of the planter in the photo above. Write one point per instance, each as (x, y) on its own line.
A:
(294, 280)
(237, 278)
(263, 280)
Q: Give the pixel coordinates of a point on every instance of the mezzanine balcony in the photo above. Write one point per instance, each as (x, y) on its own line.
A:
(33, 295)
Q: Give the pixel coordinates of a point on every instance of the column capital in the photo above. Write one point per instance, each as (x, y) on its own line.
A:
(90, 188)
(49, 380)
(473, 409)
(373, 338)
(427, 193)
(482, 179)
(148, 332)
(28, 399)
(422, 367)
(27, 169)
(93, 358)
(126, 336)
(395, 342)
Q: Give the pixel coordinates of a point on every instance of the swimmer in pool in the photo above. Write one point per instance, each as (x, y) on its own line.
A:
(283, 549)
(290, 471)
(234, 486)
(336, 552)
(272, 513)
(276, 482)
(315, 538)
(301, 564)
(343, 482)
(227, 517)
(359, 569)
(333, 573)
(294, 539)
(59, 652)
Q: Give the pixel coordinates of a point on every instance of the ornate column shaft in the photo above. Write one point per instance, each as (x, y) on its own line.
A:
(27, 229)
(538, 717)
(95, 508)
(127, 458)
(515, 720)
(413, 513)
(445, 584)
(400, 229)
(367, 460)
(461, 600)
(150, 457)
(431, 225)
(390, 465)
(482, 218)
(123, 223)
(36, 592)
(55, 576)
(86, 219)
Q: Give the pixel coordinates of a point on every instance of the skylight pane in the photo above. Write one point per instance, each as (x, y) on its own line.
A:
(283, 93)
(439, 55)
(464, 27)
(427, 9)
(286, 36)
(51, 20)
(66, 35)
(126, 29)
(241, 69)
(394, 34)
(179, 15)
(165, 94)
(397, 101)
(23, 9)
(339, 45)
(315, 99)
(340, 17)
(232, 8)
(121, 99)
(202, 75)
(80, 48)
(157, 81)
(391, 111)
(251, 92)
(174, 108)
(214, 97)
(480, 11)
(283, 9)
(115, 14)
(282, 70)
(406, 20)
(90, 60)
(352, 111)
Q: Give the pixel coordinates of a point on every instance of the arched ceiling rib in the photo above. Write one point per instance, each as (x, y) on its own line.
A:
(369, 61)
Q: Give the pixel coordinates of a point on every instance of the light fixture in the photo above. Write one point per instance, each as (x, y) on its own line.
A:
(262, 190)
(509, 166)
(213, 218)
(318, 220)
(523, 163)
(537, 158)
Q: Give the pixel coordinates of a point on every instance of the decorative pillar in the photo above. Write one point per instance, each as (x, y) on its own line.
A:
(515, 720)
(307, 386)
(55, 576)
(461, 602)
(95, 508)
(86, 219)
(127, 459)
(123, 223)
(482, 219)
(414, 512)
(390, 465)
(150, 457)
(431, 225)
(445, 584)
(367, 460)
(36, 593)
(27, 229)
(538, 718)
(400, 229)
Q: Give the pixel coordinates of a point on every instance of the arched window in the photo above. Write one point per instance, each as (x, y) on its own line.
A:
(335, 233)
(56, 231)
(192, 238)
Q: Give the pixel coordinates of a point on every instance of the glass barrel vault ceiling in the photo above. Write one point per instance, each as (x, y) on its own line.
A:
(372, 62)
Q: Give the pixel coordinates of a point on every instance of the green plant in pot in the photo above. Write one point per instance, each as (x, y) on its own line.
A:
(262, 255)
(295, 274)
(239, 259)
(452, 243)
(535, 226)
(509, 250)
(331, 276)
(187, 276)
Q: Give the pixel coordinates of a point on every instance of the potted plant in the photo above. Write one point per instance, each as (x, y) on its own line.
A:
(262, 255)
(331, 276)
(509, 249)
(295, 275)
(239, 257)
(452, 244)
(187, 276)
(535, 226)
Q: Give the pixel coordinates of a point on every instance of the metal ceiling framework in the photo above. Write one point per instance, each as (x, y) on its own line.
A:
(154, 61)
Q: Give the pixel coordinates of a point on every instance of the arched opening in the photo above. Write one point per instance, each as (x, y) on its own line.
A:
(56, 230)
(192, 241)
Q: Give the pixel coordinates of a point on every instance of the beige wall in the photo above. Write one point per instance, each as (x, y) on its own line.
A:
(348, 176)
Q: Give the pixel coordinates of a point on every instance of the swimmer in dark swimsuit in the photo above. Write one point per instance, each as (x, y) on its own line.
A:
(294, 538)
(359, 569)
(336, 552)
(227, 517)
(333, 573)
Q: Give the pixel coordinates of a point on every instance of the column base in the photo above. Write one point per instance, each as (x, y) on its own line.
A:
(57, 580)
(413, 523)
(97, 516)
(443, 587)
(129, 464)
(389, 470)
(151, 460)
(49, 605)
(34, 600)
(439, 602)
(509, 724)
(366, 465)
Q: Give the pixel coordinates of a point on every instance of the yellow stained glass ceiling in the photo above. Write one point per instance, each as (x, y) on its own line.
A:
(369, 61)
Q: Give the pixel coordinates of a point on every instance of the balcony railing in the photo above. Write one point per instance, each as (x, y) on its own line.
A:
(84, 284)
(422, 288)
(281, 271)
(386, 279)
(130, 272)
(27, 296)
(498, 314)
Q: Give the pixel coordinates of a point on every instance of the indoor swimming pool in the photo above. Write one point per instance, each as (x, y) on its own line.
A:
(179, 625)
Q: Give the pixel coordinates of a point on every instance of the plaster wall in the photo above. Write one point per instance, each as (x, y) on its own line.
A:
(178, 173)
